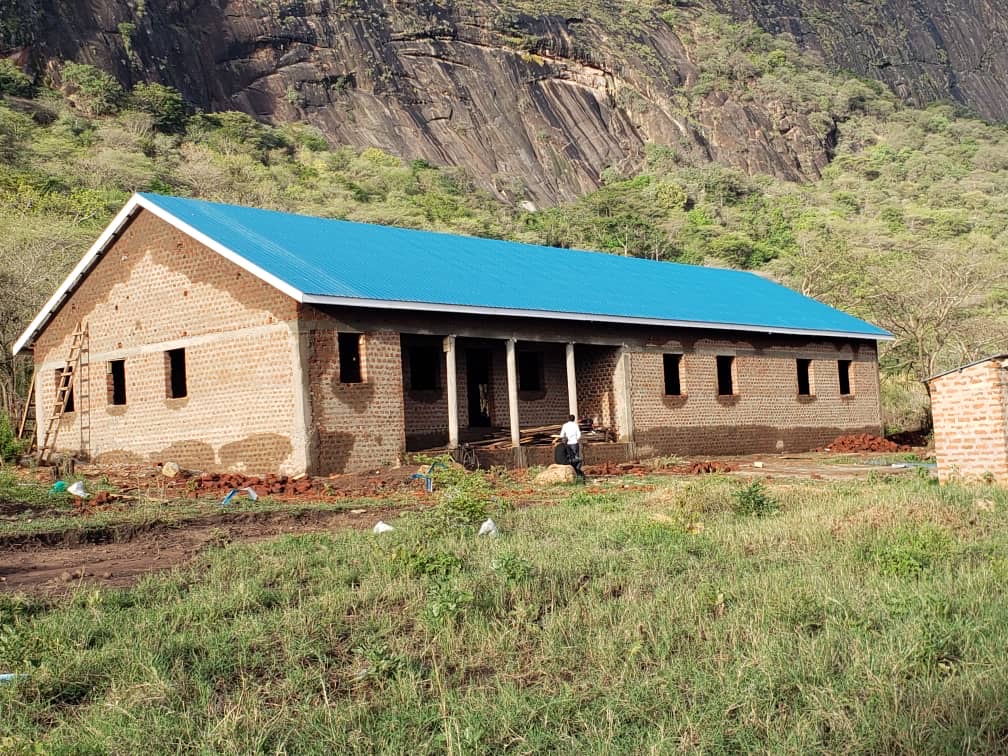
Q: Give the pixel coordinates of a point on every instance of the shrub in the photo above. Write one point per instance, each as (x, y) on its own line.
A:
(165, 105)
(14, 81)
(754, 500)
(10, 447)
(91, 90)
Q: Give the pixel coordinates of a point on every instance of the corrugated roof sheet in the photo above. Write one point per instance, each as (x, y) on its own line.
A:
(333, 258)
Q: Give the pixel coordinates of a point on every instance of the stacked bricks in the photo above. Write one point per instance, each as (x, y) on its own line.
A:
(765, 413)
(157, 289)
(968, 406)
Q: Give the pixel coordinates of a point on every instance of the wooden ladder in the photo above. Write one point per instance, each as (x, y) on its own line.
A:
(28, 427)
(76, 362)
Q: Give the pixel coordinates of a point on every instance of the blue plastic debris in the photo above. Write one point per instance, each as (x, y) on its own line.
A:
(253, 496)
(428, 477)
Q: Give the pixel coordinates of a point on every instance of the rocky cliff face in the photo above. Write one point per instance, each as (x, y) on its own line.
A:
(536, 107)
(533, 106)
(925, 50)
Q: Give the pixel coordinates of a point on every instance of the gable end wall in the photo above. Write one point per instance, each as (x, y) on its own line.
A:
(156, 289)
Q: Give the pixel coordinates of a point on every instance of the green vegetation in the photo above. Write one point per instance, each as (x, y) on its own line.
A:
(10, 447)
(862, 617)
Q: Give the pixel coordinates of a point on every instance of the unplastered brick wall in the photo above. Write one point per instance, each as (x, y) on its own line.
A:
(765, 412)
(356, 426)
(535, 408)
(157, 289)
(426, 410)
(595, 368)
(968, 407)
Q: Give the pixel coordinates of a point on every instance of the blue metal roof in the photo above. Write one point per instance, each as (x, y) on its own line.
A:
(358, 261)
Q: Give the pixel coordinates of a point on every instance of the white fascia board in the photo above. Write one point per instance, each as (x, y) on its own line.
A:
(109, 234)
(552, 315)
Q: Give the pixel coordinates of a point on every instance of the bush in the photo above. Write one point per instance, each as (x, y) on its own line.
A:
(755, 500)
(90, 90)
(165, 105)
(10, 447)
(14, 81)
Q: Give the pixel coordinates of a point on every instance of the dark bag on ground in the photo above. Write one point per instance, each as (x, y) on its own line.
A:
(560, 454)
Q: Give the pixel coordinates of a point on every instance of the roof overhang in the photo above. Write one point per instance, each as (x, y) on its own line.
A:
(138, 202)
(583, 316)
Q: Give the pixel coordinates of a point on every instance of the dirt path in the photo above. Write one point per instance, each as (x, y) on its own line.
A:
(120, 555)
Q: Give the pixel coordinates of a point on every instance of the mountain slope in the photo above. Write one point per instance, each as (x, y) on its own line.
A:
(534, 106)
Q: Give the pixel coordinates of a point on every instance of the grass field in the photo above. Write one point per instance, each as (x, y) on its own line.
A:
(660, 615)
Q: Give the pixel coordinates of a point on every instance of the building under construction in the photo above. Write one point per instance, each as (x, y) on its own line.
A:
(230, 338)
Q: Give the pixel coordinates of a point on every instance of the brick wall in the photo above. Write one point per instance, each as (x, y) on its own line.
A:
(968, 407)
(156, 289)
(356, 426)
(765, 414)
(535, 408)
(595, 368)
(426, 410)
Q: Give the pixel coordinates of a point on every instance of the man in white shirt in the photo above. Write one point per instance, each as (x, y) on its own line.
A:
(570, 434)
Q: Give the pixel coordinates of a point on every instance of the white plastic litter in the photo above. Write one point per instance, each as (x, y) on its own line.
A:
(77, 489)
(382, 527)
(251, 493)
(489, 528)
(757, 464)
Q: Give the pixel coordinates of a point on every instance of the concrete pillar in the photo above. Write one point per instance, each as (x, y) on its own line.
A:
(512, 378)
(451, 381)
(628, 424)
(571, 382)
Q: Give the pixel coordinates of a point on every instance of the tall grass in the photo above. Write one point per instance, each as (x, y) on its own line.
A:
(861, 617)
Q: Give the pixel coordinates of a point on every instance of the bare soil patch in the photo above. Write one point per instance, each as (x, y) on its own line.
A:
(119, 555)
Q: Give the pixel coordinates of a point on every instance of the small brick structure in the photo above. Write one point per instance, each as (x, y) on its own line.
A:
(264, 390)
(970, 410)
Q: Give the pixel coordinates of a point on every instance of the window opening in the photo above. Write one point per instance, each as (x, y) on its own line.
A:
(725, 385)
(843, 368)
(117, 382)
(529, 371)
(69, 407)
(804, 377)
(671, 363)
(425, 368)
(349, 358)
(176, 363)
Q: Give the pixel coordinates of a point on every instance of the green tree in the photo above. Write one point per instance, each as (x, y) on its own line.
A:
(165, 105)
(92, 91)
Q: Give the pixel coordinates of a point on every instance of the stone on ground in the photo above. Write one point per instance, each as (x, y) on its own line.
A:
(556, 474)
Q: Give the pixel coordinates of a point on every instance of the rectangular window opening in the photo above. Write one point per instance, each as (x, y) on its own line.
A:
(530, 377)
(804, 377)
(843, 369)
(175, 362)
(425, 368)
(349, 358)
(117, 382)
(672, 363)
(725, 382)
(69, 406)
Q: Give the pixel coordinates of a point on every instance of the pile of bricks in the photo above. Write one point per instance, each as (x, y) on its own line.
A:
(703, 468)
(270, 484)
(865, 442)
